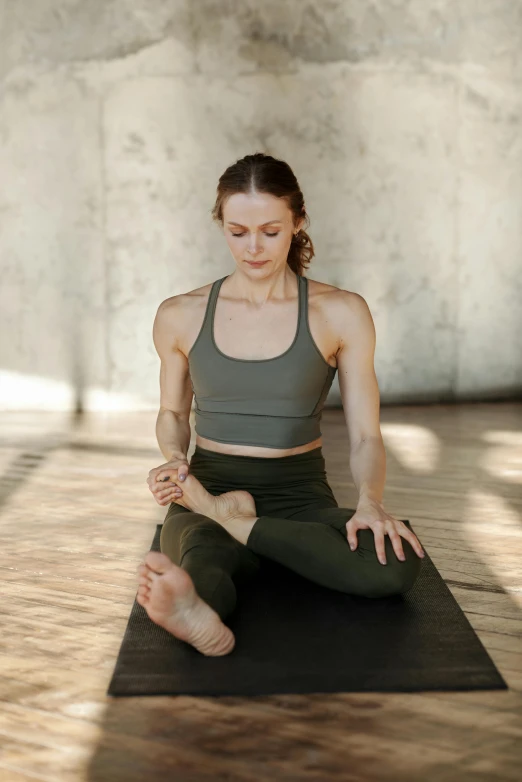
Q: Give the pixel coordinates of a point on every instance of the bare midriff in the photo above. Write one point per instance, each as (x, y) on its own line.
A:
(254, 450)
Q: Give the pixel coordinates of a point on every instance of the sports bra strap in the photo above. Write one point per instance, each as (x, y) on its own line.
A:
(211, 306)
(302, 288)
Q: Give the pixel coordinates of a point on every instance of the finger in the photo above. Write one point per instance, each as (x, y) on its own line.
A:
(167, 486)
(175, 493)
(351, 534)
(415, 544)
(168, 493)
(157, 489)
(182, 472)
(379, 544)
(168, 500)
(170, 490)
(396, 543)
(162, 490)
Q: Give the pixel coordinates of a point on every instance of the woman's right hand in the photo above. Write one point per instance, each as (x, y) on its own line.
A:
(161, 479)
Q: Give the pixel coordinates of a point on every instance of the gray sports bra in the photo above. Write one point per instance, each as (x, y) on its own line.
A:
(270, 402)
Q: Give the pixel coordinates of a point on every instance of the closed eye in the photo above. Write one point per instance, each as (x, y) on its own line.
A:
(265, 232)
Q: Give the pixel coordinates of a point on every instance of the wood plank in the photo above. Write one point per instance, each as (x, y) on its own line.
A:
(69, 581)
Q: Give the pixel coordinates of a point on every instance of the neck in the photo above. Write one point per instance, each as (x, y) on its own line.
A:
(282, 284)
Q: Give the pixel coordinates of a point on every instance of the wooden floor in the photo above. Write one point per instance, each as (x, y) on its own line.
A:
(76, 519)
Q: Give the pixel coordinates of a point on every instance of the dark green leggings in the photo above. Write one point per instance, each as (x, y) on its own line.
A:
(300, 526)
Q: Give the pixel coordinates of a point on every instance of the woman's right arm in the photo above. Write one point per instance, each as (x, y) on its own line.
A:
(172, 433)
(172, 424)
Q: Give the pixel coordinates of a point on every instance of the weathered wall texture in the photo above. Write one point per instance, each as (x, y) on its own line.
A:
(402, 121)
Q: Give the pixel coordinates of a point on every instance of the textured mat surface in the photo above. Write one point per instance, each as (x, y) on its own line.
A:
(294, 636)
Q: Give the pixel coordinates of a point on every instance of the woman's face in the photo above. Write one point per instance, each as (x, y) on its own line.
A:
(258, 227)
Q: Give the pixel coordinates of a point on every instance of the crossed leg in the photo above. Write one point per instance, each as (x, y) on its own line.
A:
(215, 560)
(314, 544)
(217, 538)
(167, 591)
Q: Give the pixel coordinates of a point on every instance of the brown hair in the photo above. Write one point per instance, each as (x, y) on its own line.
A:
(265, 174)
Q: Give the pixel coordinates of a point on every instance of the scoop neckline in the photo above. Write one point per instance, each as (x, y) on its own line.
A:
(257, 360)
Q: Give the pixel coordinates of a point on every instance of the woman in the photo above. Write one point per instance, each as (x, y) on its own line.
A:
(256, 484)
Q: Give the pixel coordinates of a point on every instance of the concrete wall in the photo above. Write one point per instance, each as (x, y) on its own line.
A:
(402, 121)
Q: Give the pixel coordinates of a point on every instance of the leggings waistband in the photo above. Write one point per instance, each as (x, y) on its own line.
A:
(251, 472)
(315, 455)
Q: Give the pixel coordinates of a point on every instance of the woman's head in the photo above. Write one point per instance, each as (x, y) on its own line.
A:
(260, 207)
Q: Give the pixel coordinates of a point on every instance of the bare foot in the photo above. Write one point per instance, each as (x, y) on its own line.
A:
(168, 595)
(222, 508)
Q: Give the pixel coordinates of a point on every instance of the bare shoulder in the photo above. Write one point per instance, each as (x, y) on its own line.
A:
(337, 300)
(181, 303)
(177, 316)
(347, 312)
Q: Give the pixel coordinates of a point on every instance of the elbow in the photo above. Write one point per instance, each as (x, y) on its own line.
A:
(365, 438)
(181, 415)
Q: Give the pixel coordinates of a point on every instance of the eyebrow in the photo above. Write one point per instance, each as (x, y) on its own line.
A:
(230, 222)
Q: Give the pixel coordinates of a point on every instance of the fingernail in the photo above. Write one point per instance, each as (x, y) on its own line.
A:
(182, 477)
(402, 559)
(382, 561)
(352, 546)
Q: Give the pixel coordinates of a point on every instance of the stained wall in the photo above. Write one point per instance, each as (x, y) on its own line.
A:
(401, 120)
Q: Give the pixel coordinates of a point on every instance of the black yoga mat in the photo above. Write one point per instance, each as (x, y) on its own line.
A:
(295, 636)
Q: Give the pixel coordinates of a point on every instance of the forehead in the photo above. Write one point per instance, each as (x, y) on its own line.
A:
(255, 208)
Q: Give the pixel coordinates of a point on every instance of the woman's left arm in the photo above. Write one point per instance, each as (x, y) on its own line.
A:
(361, 404)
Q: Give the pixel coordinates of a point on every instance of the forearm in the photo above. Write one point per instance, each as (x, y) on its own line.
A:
(368, 468)
(172, 433)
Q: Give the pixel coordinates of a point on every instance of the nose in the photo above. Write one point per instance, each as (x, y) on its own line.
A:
(253, 249)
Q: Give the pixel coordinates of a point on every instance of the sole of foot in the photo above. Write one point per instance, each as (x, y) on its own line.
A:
(169, 596)
(221, 507)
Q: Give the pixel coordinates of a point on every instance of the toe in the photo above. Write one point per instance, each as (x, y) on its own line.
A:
(157, 561)
(142, 595)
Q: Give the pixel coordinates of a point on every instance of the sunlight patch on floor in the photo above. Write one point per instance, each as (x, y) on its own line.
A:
(415, 447)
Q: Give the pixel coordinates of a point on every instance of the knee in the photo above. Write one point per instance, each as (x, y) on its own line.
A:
(396, 577)
(203, 530)
(209, 546)
(181, 530)
(182, 522)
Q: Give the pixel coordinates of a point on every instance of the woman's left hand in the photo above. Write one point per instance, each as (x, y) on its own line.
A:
(370, 514)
